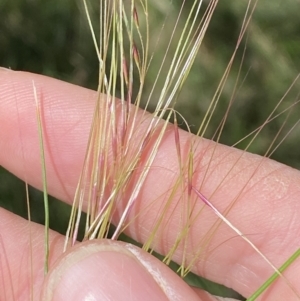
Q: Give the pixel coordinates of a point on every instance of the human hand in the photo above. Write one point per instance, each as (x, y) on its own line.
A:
(267, 210)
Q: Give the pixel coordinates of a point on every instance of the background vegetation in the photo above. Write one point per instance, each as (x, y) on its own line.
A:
(52, 38)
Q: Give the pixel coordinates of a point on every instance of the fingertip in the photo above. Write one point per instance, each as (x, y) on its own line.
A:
(109, 270)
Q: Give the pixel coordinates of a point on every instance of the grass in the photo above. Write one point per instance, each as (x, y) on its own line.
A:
(130, 50)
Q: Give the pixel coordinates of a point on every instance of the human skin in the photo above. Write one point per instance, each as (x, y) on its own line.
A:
(267, 210)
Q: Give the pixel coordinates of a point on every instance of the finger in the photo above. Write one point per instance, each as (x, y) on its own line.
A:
(113, 270)
(265, 192)
(101, 270)
(22, 257)
(65, 138)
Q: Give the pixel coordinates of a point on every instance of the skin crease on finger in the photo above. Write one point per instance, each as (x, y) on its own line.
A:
(267, 209)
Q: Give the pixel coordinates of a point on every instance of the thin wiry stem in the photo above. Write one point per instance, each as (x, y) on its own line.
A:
(114, 166)
(235, 229)
(44, 176)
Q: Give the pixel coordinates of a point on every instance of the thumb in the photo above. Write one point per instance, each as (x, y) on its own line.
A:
(112, 270)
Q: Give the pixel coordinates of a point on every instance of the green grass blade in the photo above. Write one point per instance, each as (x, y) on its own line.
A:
(44, 176)
(274, 276)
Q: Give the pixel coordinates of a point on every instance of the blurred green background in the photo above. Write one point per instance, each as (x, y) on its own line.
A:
(52, 38)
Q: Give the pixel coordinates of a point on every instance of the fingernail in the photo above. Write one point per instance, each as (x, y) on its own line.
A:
(106, 271)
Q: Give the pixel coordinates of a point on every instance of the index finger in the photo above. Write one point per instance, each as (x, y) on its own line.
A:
(264, 192)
